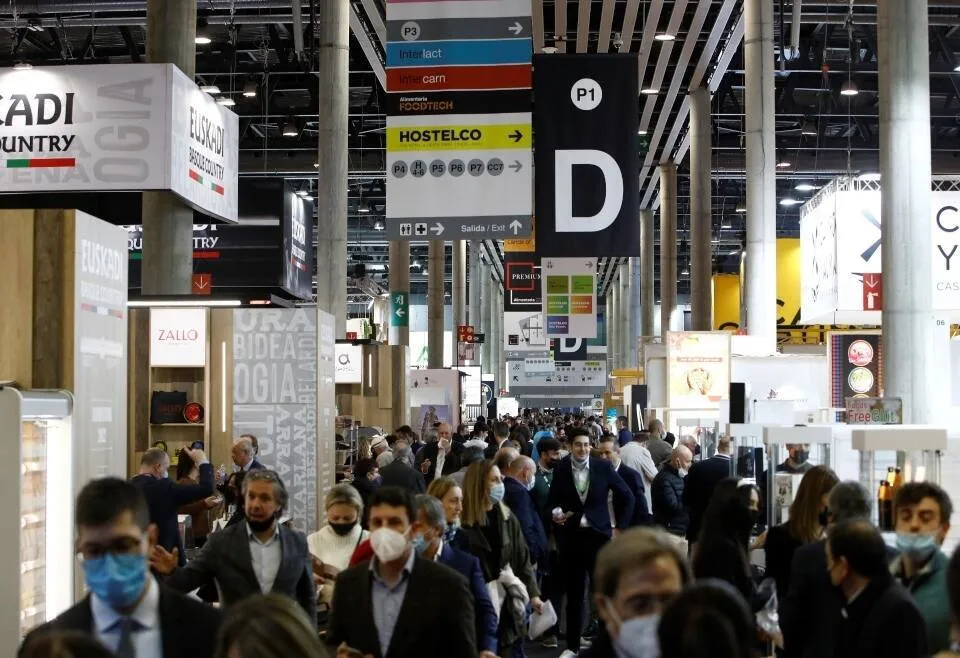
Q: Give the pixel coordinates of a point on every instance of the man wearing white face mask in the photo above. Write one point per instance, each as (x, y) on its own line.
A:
(922, 511)
(636, 575)
(399, 604)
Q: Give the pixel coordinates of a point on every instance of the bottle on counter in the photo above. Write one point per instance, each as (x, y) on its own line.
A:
(885, 506)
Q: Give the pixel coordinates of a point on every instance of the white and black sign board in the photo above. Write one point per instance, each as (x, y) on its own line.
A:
(587, 163)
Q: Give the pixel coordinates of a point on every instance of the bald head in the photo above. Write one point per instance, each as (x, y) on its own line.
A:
(521, 465)
(505, 458)
(689, 442)
(681, 458)
(242, 451)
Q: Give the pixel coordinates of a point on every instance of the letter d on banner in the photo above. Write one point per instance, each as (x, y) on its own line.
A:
(563, 190)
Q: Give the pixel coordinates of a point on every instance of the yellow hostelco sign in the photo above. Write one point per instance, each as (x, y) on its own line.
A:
(459, 138)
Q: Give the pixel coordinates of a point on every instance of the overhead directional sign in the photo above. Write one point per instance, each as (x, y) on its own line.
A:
(459, 137)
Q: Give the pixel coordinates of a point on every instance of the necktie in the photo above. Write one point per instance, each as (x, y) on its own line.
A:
(125, 648)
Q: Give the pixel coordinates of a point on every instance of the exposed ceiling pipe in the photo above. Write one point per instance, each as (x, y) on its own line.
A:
(297, 28)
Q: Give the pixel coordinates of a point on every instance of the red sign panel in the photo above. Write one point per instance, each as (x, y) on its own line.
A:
(465, 333)
(202, 284)
(872, 292)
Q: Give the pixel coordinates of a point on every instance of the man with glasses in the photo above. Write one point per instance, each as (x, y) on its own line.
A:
(578, 508)
(258, 556)
(127, 610)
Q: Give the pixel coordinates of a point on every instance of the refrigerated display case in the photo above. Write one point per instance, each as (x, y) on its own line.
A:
(37, 556)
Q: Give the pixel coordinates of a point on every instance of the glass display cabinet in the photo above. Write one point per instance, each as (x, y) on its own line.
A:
(893, 454)
(789, 453)
(37, 556)
(705, 430)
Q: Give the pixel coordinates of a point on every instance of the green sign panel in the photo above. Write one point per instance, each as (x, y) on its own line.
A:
(400, 308)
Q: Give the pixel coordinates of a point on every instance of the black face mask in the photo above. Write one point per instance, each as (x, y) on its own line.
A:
(801, 456)
(553, 463)
(824, 517)
(343, 529)
(261, 526)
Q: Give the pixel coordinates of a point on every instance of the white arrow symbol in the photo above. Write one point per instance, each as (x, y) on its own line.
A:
(516, 166)
(399, 312)
(437, 228)
(516, 226)
(516, 28)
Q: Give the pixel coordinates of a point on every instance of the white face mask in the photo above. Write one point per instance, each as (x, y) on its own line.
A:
(564, 453)
(637, 637)
(683, 472)
(388, 545)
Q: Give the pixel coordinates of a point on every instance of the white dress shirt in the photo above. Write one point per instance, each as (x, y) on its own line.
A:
(636, 456)
(266, 557)
(581, 481)
(147, 639)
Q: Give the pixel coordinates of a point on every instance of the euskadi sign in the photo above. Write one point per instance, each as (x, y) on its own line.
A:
(109, 128)
(587, 165)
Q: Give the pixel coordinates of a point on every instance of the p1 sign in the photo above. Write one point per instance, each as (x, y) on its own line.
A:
(587, 173)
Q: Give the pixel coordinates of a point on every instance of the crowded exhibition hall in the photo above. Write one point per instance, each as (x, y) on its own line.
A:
(480, 328)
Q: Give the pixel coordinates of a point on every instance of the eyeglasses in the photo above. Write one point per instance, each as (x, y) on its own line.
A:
(119, 546)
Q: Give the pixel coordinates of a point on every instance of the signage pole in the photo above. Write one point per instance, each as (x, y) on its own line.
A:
(701, 211)
(668, 245)
(633, 320)
(399, 330)
(486, 289)
(333, 43)
(168, 221)
(436, 266)
(626, 306)
(474, 290)
(915, 340)
(616, 309)
(458, 292)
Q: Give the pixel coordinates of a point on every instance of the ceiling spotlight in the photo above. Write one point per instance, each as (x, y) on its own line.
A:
(787, 202)
(378, 225)
(302, 193)
(290, 129)
(664, 36)
(201, 40)
(957, 68)
(685, 271)
(226, 101)
(641, 132)
(22, 66)
(849, 88)
(649, 91)
(363, 207)
(808, 128)
(250, 89)
(726, 224)
(806, 187)
(210, 89)
(783, 164)
(741, 209)
(316, 165)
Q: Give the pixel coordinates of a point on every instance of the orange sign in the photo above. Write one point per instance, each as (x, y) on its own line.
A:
(522, 245)
(202, 284)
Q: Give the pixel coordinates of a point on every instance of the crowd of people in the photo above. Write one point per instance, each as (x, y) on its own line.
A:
(462, 544)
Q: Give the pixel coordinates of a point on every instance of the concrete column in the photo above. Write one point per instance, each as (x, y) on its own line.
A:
(168, 221)
(647, 301)
(501, 350)
(399, 334)
(486, 289)
(668, 244)
(625, 307)
(474, 285)
(616, 308)
(633, 321)
(458, 289)
(436, 264)
(915, 339)
(608, 318)
(761, 271)
(701, 211)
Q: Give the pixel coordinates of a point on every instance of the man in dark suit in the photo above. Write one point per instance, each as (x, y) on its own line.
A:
(610, 451)
(165, 497)
(428, 541)
(440, 457)
(127, 610)
(810, 609)
(879, 617)
(258, 556)
(499, 436)
(700, 482)
(520, 478)
(244, 455)
(579, 508)
(400, 472)
(399, 604)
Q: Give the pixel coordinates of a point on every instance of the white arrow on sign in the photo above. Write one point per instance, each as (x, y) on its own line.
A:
(516, 226)
(516, 28)
(516, 166)
(399, 312)
(437, 228)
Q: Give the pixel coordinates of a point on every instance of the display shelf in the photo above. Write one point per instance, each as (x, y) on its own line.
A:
(197, 425)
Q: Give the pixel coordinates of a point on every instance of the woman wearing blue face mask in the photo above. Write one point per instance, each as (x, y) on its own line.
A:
(637, 575)
(492, 533)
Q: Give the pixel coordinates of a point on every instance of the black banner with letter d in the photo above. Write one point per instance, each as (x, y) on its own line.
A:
(587, 162)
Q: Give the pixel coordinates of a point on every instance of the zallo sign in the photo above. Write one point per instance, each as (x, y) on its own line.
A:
(104, 128)
(587, 173)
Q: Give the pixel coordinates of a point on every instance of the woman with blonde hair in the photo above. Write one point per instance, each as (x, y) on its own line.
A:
(492, 533)
(805, 525)
(449, 493)
(268, 626)
(332, 545)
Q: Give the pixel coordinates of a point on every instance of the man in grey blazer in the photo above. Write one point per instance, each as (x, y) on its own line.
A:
(254, 557)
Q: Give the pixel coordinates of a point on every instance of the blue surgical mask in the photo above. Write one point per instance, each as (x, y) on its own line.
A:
(419, 544)
(451, 532)
(917, 547)
(117, 579)
(496, 493)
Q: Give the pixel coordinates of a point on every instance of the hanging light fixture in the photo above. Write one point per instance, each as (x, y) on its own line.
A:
(363, 207)
(788, 202)
(250, 89)
(210, 89)
(226, 101)
(290, 128)
(202, 38)
(784, 164)
(378, 225)
(808, 128)
(849, 88)
(805, 187)
(741, 208)
(665, 36)
(649, 91)
(22, 66)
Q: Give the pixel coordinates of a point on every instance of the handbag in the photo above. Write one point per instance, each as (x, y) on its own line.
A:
(167, 407)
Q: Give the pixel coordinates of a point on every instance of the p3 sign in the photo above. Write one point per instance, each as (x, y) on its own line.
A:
(587, 162)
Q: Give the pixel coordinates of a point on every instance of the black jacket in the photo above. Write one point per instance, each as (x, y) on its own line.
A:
(779, 549)
(165, 497)
(398, 474)
(436, 619)
(810, 608)
(450, 465)
(634, 480)
(603, 481)
(882, 622)
(698, 487)
(187, 627)
(518, 499)
(666, 493)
